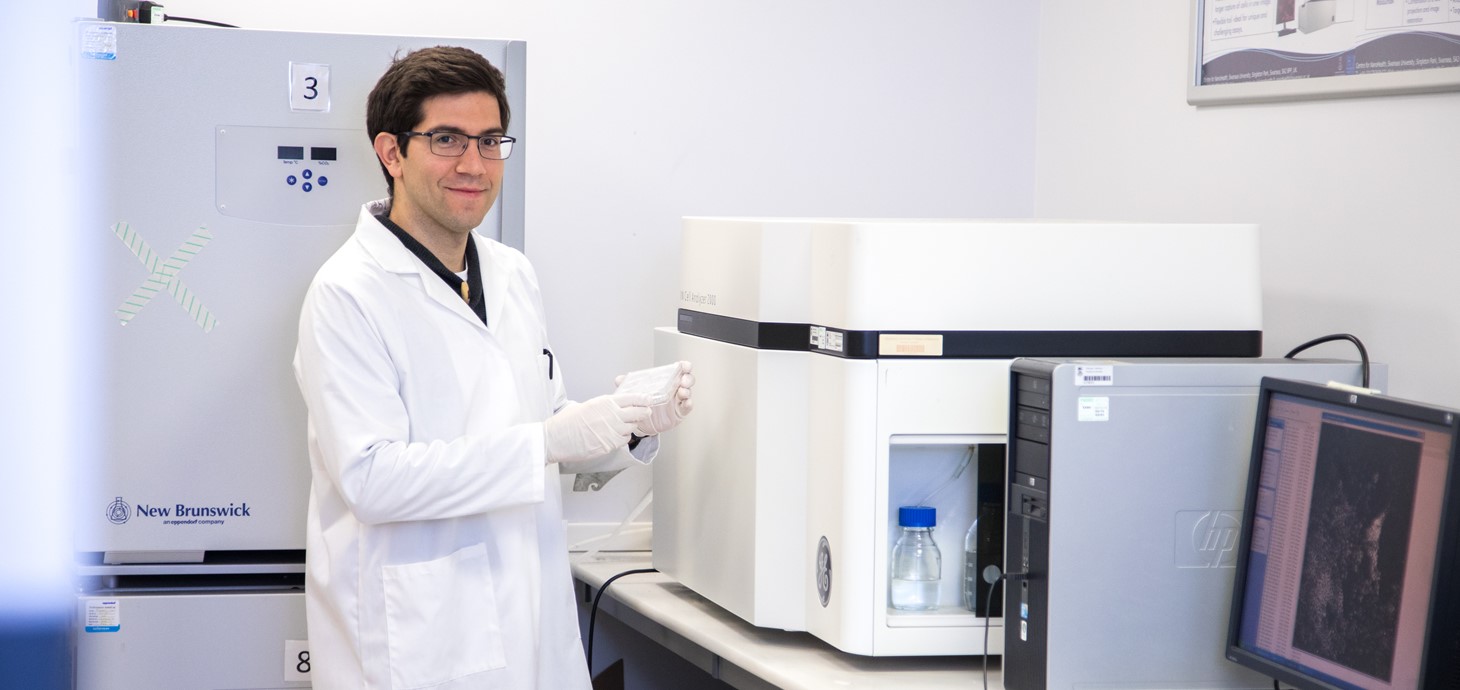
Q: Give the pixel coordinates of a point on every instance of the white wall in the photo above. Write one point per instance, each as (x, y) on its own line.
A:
(1358, 199)
(644, 111)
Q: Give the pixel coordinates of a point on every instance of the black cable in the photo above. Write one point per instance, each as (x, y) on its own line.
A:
(175, 18)
(993, 581)
(988, 610)
(593, 613)
(1363, 353)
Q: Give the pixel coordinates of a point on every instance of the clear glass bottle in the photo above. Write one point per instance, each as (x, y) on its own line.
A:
(971, 574)
(917, 565)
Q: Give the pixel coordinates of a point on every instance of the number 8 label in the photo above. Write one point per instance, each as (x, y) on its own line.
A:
(296, 661)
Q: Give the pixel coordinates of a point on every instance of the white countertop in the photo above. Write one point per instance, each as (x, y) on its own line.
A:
(749, 657)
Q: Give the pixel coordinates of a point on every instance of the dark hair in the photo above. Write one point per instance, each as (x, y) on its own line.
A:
(395, 104)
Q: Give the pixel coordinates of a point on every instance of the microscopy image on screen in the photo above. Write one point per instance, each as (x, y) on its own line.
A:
(1358, 536)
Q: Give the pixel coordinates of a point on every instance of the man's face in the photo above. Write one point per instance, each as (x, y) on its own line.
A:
(437, 194)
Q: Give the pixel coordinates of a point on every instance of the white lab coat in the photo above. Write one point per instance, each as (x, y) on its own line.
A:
(437, 553)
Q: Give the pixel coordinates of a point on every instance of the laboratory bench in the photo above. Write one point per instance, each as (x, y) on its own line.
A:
(742, 655)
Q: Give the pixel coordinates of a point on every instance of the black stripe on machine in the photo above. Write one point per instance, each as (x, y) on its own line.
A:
(968, 344)
(761, 336)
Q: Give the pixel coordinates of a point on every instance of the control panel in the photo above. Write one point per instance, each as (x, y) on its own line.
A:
(306, 179)
(295, 176)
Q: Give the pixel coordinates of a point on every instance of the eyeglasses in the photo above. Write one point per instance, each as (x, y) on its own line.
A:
(492, 146)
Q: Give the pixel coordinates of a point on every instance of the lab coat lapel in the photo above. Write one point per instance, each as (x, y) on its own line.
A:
(439, 291)
(394, 257)
(494, 281)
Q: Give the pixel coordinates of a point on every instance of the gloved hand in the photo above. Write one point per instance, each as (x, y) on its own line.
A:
(669, 414)
(593, 428)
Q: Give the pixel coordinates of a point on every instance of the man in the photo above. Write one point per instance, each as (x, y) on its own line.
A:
(437, 417)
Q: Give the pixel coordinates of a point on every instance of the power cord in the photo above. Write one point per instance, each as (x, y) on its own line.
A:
(993, 577)
(1363, 353)
(593, 613)
(151, 13)
(175, 18)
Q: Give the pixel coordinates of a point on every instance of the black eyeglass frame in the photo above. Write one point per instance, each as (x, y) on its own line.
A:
(504, 142)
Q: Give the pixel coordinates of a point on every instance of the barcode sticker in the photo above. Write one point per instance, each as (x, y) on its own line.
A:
(1094, 375)
(823, 338)
(833, 341)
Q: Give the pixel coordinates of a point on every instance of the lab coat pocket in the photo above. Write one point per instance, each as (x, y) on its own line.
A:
(441, 619)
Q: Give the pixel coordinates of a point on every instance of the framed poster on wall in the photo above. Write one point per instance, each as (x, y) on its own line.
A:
(1246, 51)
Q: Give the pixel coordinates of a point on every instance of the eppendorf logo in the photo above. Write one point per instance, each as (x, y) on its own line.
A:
(119, 512)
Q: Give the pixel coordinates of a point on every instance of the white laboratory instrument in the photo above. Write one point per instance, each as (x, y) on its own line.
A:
(845, 368)
(1127, 479)
(1316, 14)
(223, 167)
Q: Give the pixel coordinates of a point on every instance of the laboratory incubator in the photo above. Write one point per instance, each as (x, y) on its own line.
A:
(223, 166)
(847, 368)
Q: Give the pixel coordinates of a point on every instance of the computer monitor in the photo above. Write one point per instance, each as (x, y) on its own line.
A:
(1287, 11)
(1347, 567)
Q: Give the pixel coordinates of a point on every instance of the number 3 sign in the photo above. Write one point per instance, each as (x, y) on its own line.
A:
(309, 87)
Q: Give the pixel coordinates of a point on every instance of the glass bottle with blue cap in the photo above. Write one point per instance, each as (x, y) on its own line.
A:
(917, 565)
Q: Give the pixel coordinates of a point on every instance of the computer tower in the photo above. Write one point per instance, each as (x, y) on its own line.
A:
(1126, 480)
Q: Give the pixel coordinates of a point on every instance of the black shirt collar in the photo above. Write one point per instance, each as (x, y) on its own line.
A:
(476, 295)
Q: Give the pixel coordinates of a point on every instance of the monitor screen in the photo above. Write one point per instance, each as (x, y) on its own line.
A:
(1344, 531)
(1286, 11)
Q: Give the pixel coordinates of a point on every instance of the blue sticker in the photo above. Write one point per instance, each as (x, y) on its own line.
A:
(99, 42)
(103, 616)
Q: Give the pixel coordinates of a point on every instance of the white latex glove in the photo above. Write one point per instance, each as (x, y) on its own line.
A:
(593, 428)
(669, 414)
